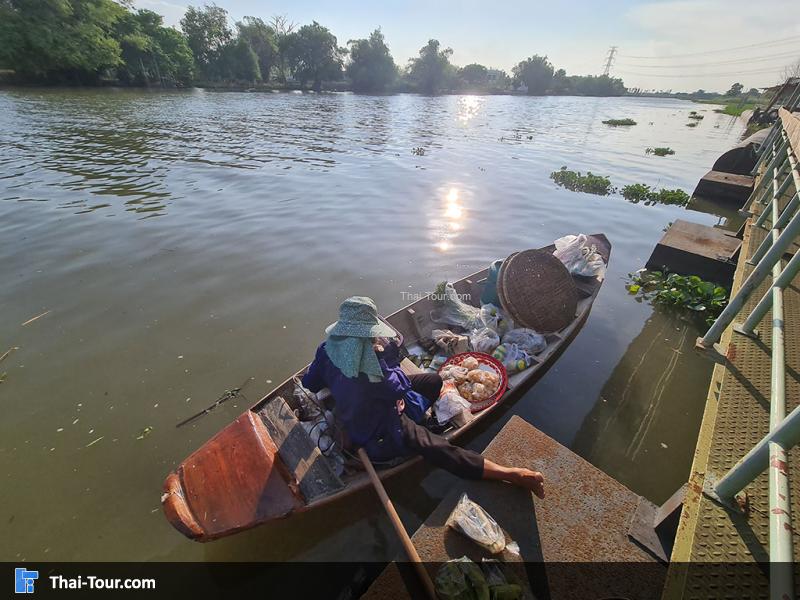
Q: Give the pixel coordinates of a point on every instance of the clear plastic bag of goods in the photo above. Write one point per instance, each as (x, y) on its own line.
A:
(451, 310)
(494, 318)
(306, 401)
(459, 374)
(451, 406)
(451, 343)
(470, 519)
(514, 358)
(526, 339)
(580, 257)
(484, 340)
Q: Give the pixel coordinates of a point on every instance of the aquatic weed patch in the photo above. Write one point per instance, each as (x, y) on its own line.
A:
(577, 182)
(620, 122)
(660, 151)
(639, 192)
(689, 292)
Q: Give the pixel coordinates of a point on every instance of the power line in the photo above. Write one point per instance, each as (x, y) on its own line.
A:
(778, 42)
(609, 60)
(793, 53)
(731, 73)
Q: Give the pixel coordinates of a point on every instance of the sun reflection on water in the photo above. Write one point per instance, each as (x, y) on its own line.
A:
(468, 108)
(451, 220)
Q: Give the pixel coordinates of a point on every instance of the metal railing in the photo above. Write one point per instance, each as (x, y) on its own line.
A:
(780, 154)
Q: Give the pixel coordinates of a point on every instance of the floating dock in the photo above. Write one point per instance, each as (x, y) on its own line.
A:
(568, 542)
(723, 550)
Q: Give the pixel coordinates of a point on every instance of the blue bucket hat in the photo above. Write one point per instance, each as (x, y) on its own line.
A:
(358, 317)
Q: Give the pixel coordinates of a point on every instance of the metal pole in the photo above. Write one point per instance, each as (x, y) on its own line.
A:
(786, 215)
(778, 154)
(755, 278)
(767, 143)
(786, 277)
(768, 208)
(787, 434)
(788, 211)
(781, 581)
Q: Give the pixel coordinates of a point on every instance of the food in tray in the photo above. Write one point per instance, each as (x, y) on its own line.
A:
(470, 363)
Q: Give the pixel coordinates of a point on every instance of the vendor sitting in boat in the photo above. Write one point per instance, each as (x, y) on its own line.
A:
(380, 407)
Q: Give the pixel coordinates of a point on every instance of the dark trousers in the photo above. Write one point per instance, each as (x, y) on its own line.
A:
(434, 448)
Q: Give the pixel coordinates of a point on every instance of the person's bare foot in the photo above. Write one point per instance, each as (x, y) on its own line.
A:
(532, 480)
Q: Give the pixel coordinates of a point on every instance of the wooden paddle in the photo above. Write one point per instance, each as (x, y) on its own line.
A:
(408, 545)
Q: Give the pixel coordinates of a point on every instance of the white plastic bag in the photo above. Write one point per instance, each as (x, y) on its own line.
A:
(470, 519)
(452, 310)
(526, 339)
(578, 256)
(484, 340)
(451, 405)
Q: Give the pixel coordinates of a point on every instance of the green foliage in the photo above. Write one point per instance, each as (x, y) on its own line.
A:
(576, 182)
(371, 67)
(735, 110)
(695, 116)
(59, 40)
(474, 74)
(238, 62)
(536, 73)
(207, 33)
(659, 151)
(639, 192)
(735, 90)
(619, 122)
(586, 85)
(152, 52)
(692, 124)
(262, 39)
(314, 55)
(678, 291)
(431, 71)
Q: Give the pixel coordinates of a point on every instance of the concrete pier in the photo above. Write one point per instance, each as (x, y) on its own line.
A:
(569, 542)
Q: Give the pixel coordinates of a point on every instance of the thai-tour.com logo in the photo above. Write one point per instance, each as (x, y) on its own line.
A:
(25, 582)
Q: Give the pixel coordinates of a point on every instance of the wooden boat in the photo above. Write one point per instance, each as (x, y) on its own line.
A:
(265, 466)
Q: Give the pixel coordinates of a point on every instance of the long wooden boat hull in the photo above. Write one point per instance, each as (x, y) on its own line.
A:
(242, 477)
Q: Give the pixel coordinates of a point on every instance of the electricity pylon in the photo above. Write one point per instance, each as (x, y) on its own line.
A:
(609, 60)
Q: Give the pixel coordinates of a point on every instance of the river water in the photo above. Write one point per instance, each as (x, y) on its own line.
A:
(182, 242)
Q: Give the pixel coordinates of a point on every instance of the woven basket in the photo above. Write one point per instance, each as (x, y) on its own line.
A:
(487, 362)
(537, 291)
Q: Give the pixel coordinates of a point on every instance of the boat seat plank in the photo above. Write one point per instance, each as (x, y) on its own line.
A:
(301, 456)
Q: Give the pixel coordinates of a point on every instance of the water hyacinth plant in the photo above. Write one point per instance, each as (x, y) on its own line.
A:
(576, 182)
(639, 192)
(660, 151)
(618, 122)
(688, 292)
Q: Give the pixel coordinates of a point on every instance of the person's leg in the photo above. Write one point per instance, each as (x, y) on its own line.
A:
(532, 480)
(465, 463)
(427, 384)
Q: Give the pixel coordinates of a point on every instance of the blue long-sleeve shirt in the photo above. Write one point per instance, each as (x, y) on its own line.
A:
(367, 410)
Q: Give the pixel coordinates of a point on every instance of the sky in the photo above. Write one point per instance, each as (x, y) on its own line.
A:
(679, 45)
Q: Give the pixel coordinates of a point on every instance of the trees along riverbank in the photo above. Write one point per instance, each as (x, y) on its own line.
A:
(103, 42)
